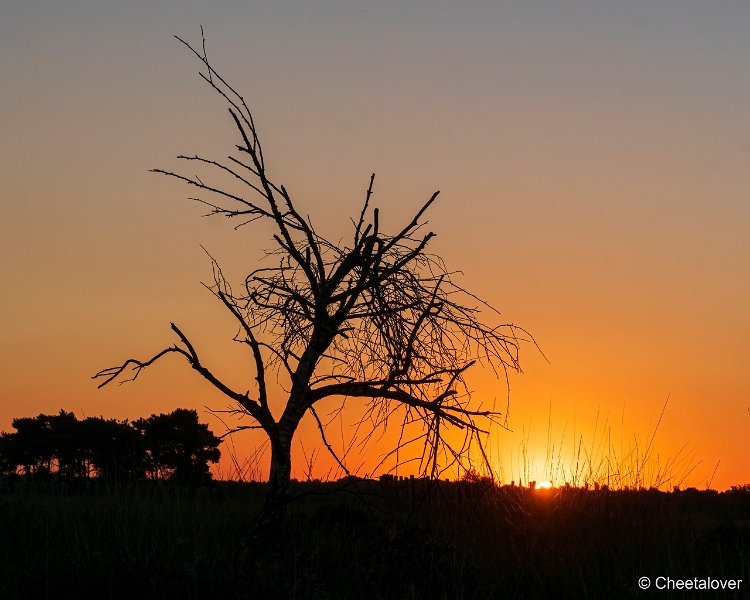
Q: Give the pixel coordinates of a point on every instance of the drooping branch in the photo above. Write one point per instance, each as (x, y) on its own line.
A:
(455, 414)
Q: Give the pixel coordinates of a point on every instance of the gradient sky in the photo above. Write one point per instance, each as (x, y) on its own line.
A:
(592, 158)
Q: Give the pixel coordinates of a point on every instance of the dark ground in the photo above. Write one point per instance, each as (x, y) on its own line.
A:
(366, 540)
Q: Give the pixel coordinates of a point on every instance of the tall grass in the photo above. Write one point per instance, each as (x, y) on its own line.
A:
(410, 539)
(608, 457)
(67, 540)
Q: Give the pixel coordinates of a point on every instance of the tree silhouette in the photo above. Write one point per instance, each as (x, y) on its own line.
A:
(115, 448)
(45, 444)
(31, 447)
(172, 446)
(9, 457)
(68, 444)
(375, 318)
(178, 447)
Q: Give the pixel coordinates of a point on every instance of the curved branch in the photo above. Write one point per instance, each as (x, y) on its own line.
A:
(189, 352)
(111, 373)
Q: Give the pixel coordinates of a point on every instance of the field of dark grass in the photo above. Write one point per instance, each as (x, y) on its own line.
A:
(365, 539)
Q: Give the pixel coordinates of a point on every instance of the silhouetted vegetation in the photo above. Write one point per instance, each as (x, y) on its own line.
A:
(172, 447)
(372, 315)
(363, 539)
(178, 447)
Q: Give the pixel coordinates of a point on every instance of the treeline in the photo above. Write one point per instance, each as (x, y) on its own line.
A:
(171, 447)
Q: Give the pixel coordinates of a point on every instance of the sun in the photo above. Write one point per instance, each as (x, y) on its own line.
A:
(543, 485)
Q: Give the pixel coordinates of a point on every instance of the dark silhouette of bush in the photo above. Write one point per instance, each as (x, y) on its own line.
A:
(9, 460)
(178, 447)
(66, 444)
(30, 448)
(174, 447)
(116, 449)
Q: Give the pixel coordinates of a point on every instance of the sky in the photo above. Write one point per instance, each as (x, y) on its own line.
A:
(592, 162)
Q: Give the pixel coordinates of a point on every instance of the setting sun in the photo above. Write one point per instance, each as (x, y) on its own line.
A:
(543, 485)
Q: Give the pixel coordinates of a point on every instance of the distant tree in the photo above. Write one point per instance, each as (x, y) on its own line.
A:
(178, 447)
(9, 460)
(69, 447)
(30, 448)
(374, 317)
(174, 446)
(116, 449)
(47, 444)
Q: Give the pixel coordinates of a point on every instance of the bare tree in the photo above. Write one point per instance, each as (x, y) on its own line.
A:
(376, 318)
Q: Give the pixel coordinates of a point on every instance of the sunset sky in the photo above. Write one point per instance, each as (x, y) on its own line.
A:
(593, 161)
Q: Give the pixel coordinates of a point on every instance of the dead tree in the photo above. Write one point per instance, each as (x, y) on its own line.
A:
(376, 318)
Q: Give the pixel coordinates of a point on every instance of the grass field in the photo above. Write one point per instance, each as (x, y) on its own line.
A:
(365, 539)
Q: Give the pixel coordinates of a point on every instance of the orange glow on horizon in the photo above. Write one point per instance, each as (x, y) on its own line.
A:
(594, 189)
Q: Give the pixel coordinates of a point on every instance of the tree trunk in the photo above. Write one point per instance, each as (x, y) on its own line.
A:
(279, 478)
